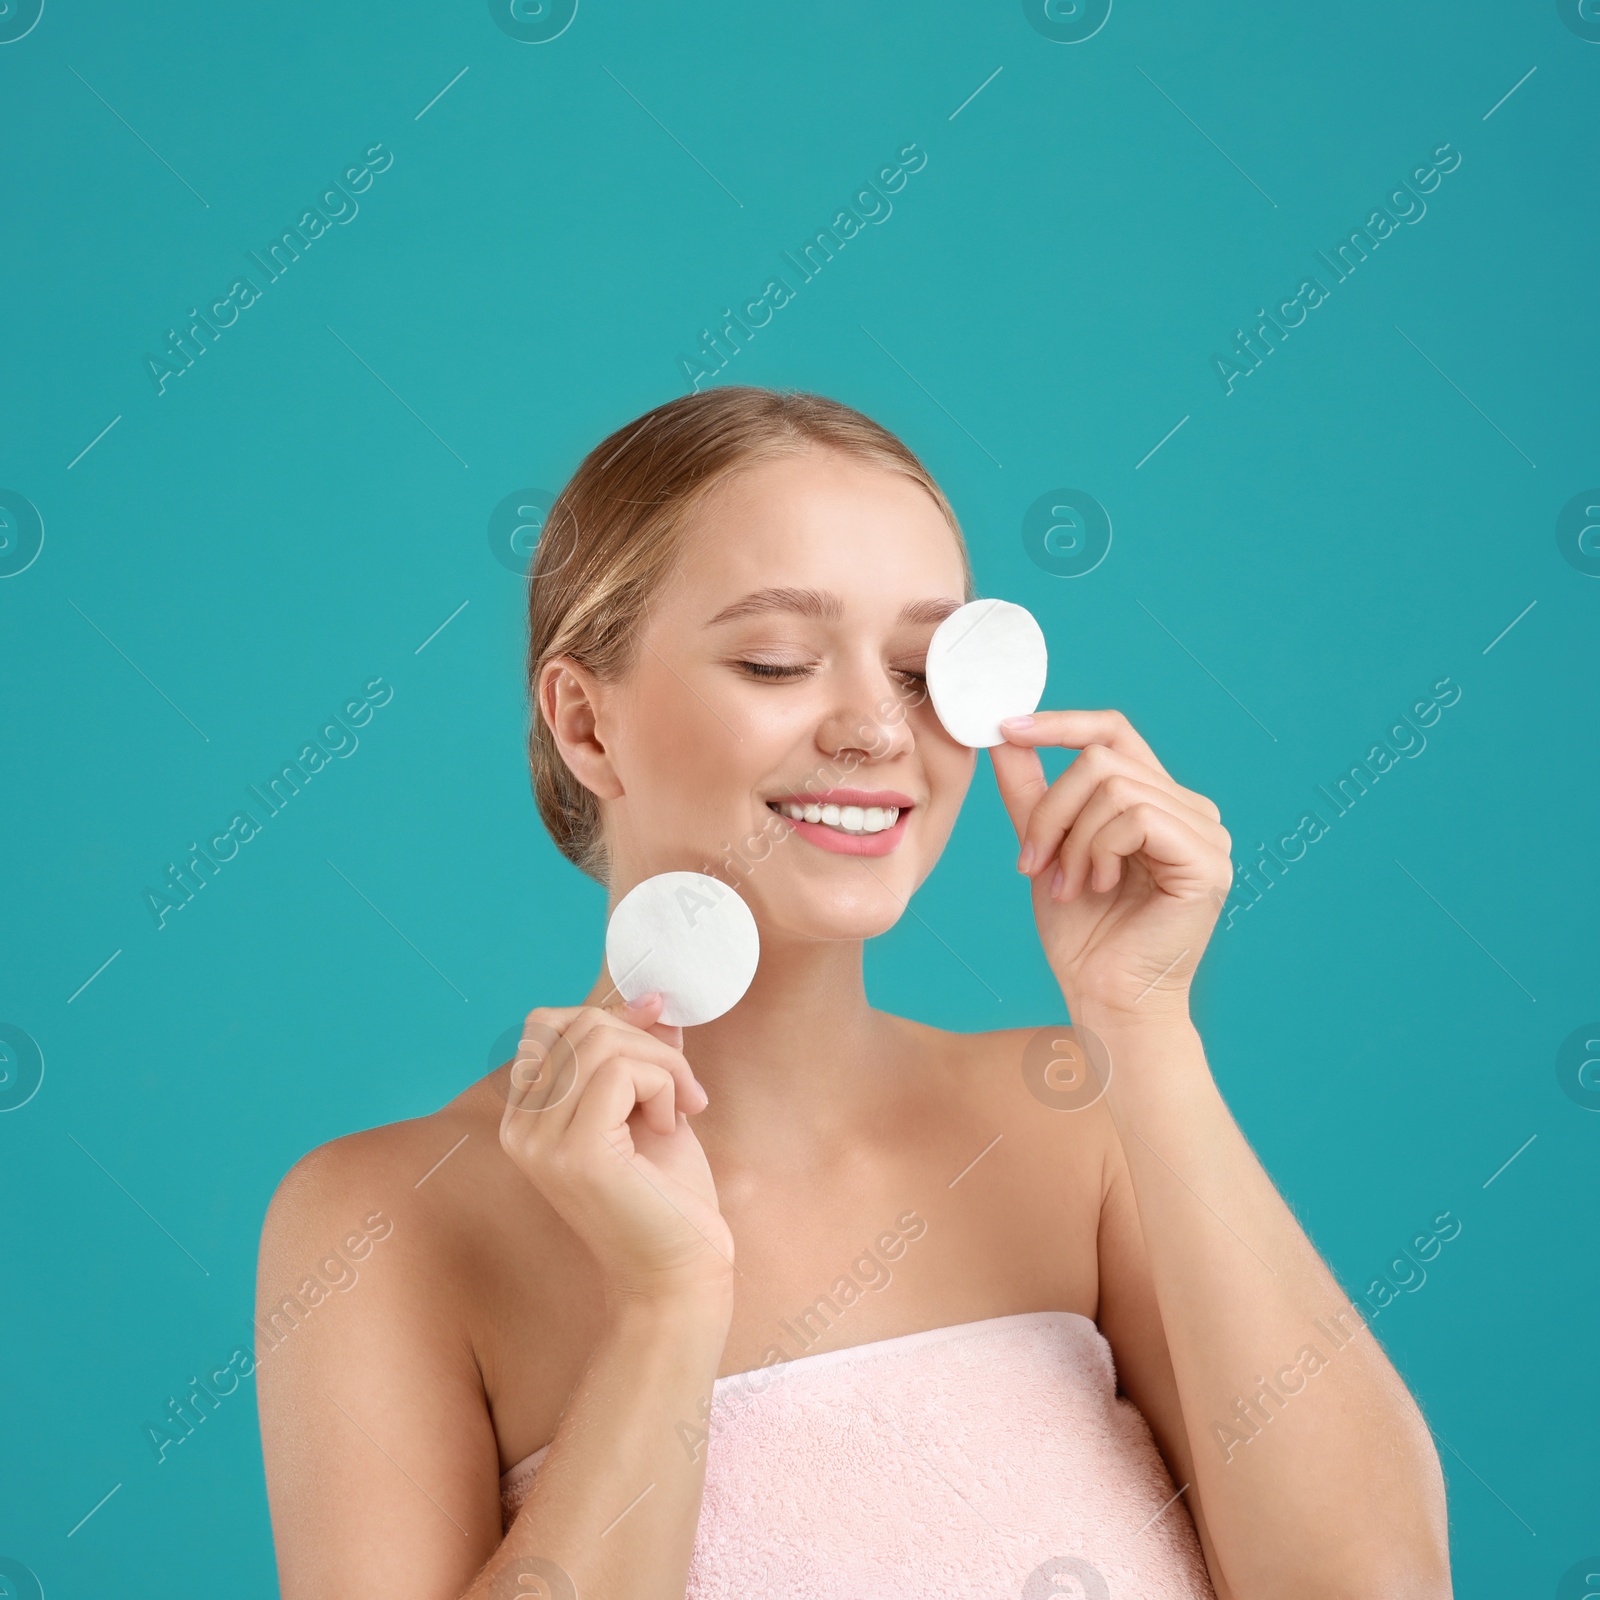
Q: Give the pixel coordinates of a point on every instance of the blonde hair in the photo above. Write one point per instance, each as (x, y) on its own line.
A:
(614, 532)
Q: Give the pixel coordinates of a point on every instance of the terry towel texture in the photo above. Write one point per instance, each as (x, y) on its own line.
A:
(991, 1459)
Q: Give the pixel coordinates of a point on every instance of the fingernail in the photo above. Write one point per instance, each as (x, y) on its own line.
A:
(1055, 884)
(1016, 722)
(645, 999)
(705, 1099)
(1026, 859)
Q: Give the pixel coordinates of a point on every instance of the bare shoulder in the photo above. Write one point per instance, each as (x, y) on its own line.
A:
(335, 1182)
(420, 1254)
(1041, 1086)
(1048, 1064)
(411, 1204)
(354, 1183)
(369, 1311)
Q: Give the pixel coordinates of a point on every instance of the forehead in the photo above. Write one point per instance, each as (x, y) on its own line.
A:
(825, 520)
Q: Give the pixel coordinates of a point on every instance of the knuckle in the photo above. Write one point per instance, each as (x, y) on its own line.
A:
(537, 1043)
(607, 1070)
(1096, 760)
(515, 1139)
(1122, 789)
(528, 1079)
(540, 1039)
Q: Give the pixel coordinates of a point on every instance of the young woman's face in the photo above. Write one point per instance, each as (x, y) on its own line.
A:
(782, 668)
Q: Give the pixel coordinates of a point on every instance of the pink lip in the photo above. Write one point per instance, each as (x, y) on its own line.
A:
(847, 797)
(844, 844)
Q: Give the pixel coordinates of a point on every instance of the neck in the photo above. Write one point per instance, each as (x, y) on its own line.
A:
(792, 1064)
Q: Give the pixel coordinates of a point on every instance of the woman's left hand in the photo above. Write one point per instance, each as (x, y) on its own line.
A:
(1129, 868)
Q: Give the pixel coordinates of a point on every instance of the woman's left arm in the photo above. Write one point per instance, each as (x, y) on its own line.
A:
(1312, 1471)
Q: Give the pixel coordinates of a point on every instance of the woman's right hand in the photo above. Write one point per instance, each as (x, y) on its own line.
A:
(596, 1116)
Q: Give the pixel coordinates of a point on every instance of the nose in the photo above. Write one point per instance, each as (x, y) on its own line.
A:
(870, 720)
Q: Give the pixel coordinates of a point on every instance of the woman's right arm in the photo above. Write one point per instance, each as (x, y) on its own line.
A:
(616, 1502)
(591, 1118)
(381, 1457)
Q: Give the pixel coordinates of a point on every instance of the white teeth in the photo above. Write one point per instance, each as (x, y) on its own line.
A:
(847, 819)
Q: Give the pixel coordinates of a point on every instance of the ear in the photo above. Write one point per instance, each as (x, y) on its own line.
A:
(570, 700)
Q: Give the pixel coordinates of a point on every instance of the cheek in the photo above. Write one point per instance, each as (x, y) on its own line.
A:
(950, 768)
(950, 765)
(685, 755)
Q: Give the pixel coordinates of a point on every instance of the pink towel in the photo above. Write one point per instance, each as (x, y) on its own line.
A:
(991, 1459)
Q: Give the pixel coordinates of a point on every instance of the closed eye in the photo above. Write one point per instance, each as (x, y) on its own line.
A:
(773, 671)
(780, 672)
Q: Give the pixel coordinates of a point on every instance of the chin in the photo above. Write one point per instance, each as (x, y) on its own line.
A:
(818, 911)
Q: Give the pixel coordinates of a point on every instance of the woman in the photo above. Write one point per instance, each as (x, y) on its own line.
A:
(1093, 1353)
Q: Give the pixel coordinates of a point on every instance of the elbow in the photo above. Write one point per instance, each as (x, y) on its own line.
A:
(1419, 1574)
(1390, 1537)
(1411, 1565)
(1424, 1575)
(1404, 1553)
(1427, 1575)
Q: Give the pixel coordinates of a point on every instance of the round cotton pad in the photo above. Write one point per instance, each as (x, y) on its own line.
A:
(986, 661)
(689, 936)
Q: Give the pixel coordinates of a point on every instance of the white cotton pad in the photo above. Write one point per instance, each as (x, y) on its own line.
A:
(986, 661)
(689, 936)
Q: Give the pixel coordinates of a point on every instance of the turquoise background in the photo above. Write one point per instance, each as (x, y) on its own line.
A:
(301, 512)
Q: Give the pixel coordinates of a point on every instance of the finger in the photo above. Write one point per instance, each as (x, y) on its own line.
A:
(1074, 730)
(1179, 860)
(1097, 769)
(645, 1013)
(621, 1085)
(544, 1022)
(1111, 799)
(542, 1068)
(634, 1017)
(1019, 776)
(547, 1087)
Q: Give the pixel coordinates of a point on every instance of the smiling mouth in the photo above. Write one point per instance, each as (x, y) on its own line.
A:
(847, 814)
(859, 821)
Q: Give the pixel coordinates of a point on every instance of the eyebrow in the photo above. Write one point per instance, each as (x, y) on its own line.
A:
(823, 606)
